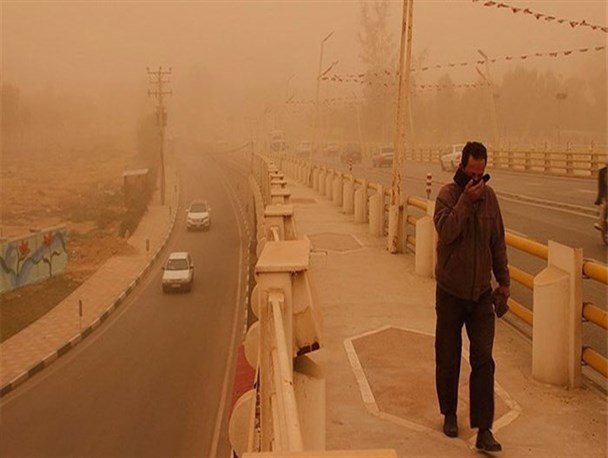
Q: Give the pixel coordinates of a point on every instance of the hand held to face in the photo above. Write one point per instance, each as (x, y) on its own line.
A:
(474, 189)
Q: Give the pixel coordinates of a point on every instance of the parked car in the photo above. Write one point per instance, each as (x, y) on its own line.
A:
(178, 272)
(198, 215)
(450, 160)
(384, 157)
(351, 153)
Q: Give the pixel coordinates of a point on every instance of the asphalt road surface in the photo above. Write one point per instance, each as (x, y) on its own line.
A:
(155, 380)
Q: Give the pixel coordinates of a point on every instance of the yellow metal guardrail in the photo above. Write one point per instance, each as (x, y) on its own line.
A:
(596, 271)
(528, 246)
(593, 359)
(595, 314)
(522, 277)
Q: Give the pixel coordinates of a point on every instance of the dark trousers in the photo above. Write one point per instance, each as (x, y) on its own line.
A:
(478, 318)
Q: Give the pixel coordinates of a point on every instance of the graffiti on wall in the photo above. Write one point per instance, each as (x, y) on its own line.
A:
(33, 257)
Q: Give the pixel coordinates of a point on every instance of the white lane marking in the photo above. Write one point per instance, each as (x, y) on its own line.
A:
(218, 419)
(549, 207)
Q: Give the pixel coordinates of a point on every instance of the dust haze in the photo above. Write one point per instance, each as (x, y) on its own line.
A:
(74, 73)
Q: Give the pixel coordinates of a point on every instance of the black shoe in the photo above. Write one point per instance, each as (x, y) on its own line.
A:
(450, 425)
(485, 441)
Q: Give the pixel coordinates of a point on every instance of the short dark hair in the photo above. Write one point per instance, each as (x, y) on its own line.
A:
(475, 149)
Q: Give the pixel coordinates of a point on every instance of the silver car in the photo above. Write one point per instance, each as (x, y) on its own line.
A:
(198, 215)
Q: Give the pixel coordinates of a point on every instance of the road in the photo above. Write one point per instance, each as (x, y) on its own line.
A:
(156, 379)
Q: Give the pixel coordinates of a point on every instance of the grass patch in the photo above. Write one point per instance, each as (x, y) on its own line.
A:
(23, 306)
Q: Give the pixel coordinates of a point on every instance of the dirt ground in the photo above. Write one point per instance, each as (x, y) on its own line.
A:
(79, 188)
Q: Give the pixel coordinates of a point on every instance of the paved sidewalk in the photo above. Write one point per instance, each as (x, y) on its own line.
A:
(41, 343)
(379, 357)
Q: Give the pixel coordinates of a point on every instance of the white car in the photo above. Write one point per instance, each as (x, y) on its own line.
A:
(451, 160)
(198, 215)
(178, 272)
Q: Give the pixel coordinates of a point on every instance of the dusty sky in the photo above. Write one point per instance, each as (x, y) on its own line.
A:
(244, 47)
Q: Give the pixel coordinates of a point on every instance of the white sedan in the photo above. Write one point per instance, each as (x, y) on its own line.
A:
(451, 160)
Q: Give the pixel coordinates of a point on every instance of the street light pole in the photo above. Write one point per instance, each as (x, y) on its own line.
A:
(316, 120)
(395, 224)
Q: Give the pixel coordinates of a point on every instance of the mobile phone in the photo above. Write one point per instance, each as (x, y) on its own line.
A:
(485, 178)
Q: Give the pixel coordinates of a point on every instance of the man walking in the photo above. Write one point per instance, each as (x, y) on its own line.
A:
(471, 245)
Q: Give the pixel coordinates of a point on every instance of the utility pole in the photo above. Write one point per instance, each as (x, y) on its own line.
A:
(395, 226)
(156, 79)
(492, 102)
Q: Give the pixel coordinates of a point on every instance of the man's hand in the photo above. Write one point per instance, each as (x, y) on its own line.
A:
(505, 291)
(473, 190)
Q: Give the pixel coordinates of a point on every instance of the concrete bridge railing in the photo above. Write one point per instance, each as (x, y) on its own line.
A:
(284, 412)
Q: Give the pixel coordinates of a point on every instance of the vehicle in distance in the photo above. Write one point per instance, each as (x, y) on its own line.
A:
(198, 215)
(304, 149)
(450, 159)
(384, 157)
(178, 272)
(351, 153)
(331, 149)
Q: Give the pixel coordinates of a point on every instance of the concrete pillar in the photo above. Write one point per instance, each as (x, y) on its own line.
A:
(360, 197)
(315, 179)
(376, 213)
(556, 333)
(426, 240)
(329, 185)
(337, 190)
(348, 205)
(322, 182)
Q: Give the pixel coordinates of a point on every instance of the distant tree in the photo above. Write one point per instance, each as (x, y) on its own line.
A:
(378, 54)
(148, 142)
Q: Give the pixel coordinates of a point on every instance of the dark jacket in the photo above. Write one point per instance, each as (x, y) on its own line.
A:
(471, 242)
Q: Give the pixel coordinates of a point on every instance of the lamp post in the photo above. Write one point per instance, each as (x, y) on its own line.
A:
(316, 120)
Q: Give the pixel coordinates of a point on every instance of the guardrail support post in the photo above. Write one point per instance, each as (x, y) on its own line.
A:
(322, 182)
(426, 241)
(329, 184)
(337, 190)
(556, 333)
(348, 205)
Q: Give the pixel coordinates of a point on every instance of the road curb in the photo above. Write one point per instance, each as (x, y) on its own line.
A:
(80, 336)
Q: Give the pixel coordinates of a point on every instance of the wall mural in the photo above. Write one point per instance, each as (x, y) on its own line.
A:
(33, 257)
